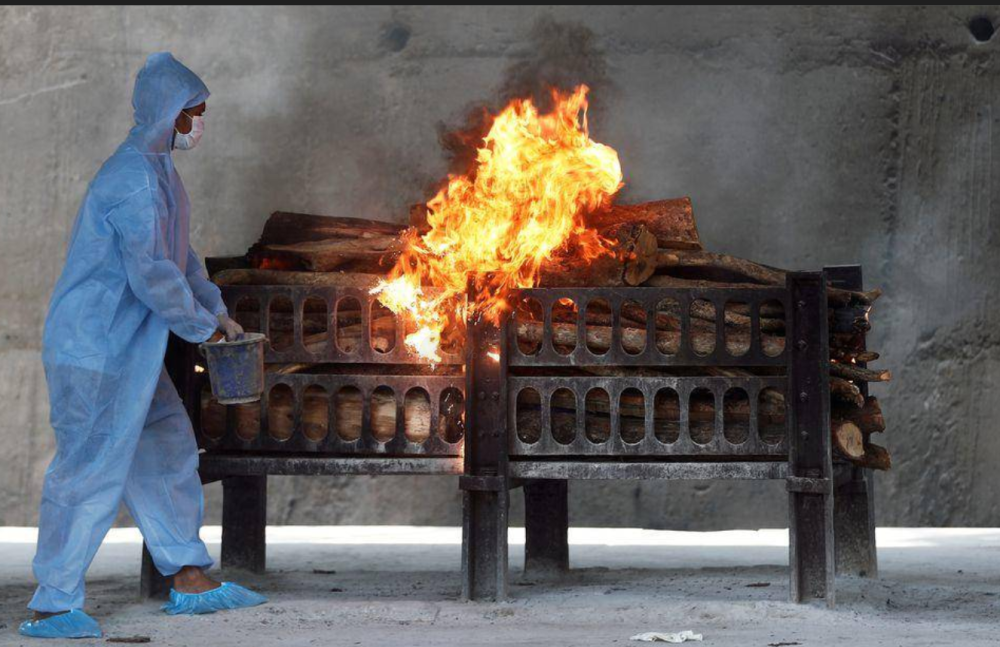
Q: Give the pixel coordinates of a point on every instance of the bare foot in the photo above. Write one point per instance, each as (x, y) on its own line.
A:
(192, 579)
(42, 615)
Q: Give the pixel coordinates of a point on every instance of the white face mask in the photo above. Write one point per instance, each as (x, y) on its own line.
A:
(187, 141)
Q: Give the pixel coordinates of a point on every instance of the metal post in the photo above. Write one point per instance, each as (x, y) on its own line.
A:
(854, 496)
(244, 521)
(151, 583)
(810, 465)
(546, 526)
(485, 493)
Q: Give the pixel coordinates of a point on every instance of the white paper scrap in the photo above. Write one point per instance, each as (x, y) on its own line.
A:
(680, 637)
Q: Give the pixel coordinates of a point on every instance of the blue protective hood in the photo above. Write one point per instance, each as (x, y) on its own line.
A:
(163, 88)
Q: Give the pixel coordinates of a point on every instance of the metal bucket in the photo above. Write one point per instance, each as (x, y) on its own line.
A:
(236, 368)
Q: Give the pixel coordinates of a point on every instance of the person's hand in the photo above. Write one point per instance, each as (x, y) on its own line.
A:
(230, 328)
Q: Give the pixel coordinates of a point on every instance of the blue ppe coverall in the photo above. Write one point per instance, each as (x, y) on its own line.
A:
(130, 279)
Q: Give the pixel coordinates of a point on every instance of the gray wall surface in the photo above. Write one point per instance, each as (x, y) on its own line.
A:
(805, 136)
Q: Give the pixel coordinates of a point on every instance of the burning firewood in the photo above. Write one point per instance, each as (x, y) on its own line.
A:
(655, 244)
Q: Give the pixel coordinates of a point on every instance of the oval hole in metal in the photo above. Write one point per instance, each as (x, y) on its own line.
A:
(565, 313)
(562, 416)
(213, 414)
(598, 324)
(247, 314)
(736, 416)
(280, 407)
(528, 316)
(382, 323)
(668, 326)
(701, 416)
(702, 329)
(528, 411)
(347, 412)
(247, 420)
(667, 416)
(770, 416)
(633, 318)
(383, 412)
(417, 415)
(280, 323)
(451, 418)
(315, 413)
(348, 325)
(632, 416)
(772, 327)
(737, 317)
(597, 416)
(315, 325)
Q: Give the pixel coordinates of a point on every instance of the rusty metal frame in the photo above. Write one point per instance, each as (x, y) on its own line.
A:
(332, 444)
(491, 459)
(296, 352)
(649, 445)
(648, 299)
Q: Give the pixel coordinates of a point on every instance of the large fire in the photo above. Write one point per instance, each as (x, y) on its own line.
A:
(535, 177)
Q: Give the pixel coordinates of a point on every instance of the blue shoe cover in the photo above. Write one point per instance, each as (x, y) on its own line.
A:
(227, 596)
(74, 624)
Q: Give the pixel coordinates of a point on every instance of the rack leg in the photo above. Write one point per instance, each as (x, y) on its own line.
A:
(152, 585)
(244, 521)
(546, 526)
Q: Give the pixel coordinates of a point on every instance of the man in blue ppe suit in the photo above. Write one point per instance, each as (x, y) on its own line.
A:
(122, 433)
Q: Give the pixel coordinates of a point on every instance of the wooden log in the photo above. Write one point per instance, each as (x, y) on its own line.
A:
(848, 356)
(845, 391)
(847, 438)
(868, 417)
(286, 228)
(670, 221)
(707, 268)
(312, 279)
(716, 267)
(875, 457)
(563, 272)
(370, 252)
(852, 342)
(638, 248)
(858, 374)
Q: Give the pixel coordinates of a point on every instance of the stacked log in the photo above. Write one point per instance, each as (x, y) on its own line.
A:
(656, 245)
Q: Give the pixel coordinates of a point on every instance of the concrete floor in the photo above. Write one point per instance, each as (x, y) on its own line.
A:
(386, 585)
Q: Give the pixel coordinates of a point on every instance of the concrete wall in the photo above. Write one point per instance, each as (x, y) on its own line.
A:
(806, 136)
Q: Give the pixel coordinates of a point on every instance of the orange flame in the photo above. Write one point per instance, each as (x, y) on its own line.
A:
(535, 177)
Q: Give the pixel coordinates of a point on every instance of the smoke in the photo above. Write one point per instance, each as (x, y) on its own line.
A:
(558, 55)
